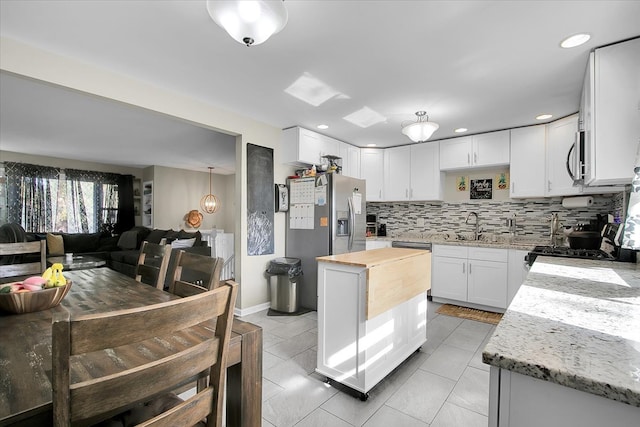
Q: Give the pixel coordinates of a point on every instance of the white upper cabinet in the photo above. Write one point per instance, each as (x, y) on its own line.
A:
(305, 147)
(412, 172)
(491, 149)
(456, 153)
(426, 178)
(527, 163)
(350, 159)
(560, 137)
(609, 113)
(372, 171)
(487, 149)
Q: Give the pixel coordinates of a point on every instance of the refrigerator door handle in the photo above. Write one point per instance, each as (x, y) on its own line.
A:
(352, 220)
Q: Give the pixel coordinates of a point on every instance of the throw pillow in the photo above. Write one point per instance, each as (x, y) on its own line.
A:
(183, 243)
(55, 244)
(128, 240)
(155, 236)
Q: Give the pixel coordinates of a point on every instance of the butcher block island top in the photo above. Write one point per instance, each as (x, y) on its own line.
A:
(372, 257)
(394, 275)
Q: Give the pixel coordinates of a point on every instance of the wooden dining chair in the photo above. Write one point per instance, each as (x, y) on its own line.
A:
(123, 362)
(152, 264)
(193, 273)
(17, 250)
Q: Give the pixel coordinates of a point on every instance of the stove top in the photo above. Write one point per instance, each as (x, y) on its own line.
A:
(563, 251)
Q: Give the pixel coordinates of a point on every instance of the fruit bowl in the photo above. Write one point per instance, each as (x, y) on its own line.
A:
(28, 302)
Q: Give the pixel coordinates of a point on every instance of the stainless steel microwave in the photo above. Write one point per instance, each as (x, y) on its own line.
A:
(576, 163)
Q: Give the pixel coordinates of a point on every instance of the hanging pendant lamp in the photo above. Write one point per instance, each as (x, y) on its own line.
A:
(209, 203)
(420, 130)
(249, 22)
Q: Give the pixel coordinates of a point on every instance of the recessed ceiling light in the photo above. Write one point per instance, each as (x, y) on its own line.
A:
(371, 145)
(543, 117)
(322, 127)
(460, 130)
(575, 40)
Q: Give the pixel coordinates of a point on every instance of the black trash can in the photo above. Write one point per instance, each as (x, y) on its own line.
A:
(283, 279)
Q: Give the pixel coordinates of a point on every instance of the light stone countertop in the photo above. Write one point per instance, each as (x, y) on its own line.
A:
(575, 323)
(502, 242)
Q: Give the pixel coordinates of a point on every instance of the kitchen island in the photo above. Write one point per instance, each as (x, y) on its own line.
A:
(567, 351)
(372, 313)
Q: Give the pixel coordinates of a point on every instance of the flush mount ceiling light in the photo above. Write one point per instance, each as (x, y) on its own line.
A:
(209, 203)
(420, 130)
(322, 127)
(460, 130)
(575, 40)
(249, 22)
(544, 116)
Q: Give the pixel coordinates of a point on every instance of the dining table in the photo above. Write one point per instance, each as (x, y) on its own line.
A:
(25, 350)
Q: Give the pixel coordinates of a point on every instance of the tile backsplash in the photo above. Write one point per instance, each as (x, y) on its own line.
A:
(532, 215)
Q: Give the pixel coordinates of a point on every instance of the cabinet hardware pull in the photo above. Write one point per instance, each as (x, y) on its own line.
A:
(513, 187)
(469, 268)
(475, 158)
(406, 193)
(549, 185)
(468, 159)
(463, 269)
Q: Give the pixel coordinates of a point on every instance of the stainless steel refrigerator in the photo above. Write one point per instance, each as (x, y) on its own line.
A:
(326, 216)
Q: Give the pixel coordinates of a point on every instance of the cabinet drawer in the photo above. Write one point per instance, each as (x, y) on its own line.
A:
(488, 254)
(450, 251)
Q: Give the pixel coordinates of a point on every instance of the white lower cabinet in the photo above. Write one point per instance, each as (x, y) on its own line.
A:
(518, 271)
(376, 244)
(473, 276)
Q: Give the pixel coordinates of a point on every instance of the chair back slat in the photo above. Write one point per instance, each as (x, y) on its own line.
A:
(23, 248)
(189, 267)
(153, 262)
(120, 359)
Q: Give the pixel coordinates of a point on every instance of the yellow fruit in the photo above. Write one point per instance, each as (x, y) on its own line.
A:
(47, 273)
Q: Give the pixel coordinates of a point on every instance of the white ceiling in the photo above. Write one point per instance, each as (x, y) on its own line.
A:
(483, 65)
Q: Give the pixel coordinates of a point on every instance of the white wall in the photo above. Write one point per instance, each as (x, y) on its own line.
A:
(177, 191)
(28, 61)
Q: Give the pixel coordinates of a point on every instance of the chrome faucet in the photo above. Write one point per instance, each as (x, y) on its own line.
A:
(476, 233)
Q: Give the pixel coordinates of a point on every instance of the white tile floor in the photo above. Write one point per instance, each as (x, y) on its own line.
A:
(444, 385)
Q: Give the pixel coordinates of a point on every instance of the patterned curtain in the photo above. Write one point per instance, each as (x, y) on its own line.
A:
(42, 198)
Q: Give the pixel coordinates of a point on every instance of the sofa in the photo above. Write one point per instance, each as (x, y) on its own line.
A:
(120, 252)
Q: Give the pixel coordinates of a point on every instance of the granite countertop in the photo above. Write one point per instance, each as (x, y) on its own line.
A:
(575, 323)
(501, 242)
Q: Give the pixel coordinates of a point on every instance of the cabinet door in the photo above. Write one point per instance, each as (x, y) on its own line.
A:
(616, 129)
(350, 159)
(397, 173)
(560, 137)
(372, 171)
(455, 153)
(491, 149)
(518, 270)
(377, 244)
(328, 147)
(527, 162)
(487, 283)
(426, 178)
(449, 278)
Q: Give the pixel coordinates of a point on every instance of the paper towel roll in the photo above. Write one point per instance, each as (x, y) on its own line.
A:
(577, 202)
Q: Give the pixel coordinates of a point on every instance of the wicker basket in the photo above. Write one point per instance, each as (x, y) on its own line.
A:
(28, 302)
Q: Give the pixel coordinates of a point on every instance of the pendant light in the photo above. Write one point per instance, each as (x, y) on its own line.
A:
(209, 203)
(249, 22)
(420, 130)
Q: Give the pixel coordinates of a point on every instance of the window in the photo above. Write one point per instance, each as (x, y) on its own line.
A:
(44, 199)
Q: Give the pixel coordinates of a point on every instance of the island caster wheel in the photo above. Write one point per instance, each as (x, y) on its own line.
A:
(364, 396)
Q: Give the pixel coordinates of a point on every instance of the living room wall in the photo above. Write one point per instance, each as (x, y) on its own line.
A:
(177, 191)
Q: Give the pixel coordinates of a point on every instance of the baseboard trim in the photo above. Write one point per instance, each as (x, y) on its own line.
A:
(241, 312)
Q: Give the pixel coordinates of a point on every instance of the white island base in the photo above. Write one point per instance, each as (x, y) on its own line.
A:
(372, 313)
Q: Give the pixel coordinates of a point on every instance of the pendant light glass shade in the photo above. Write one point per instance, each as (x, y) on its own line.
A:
(209, 203)
(420, 130)
(249, 22)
